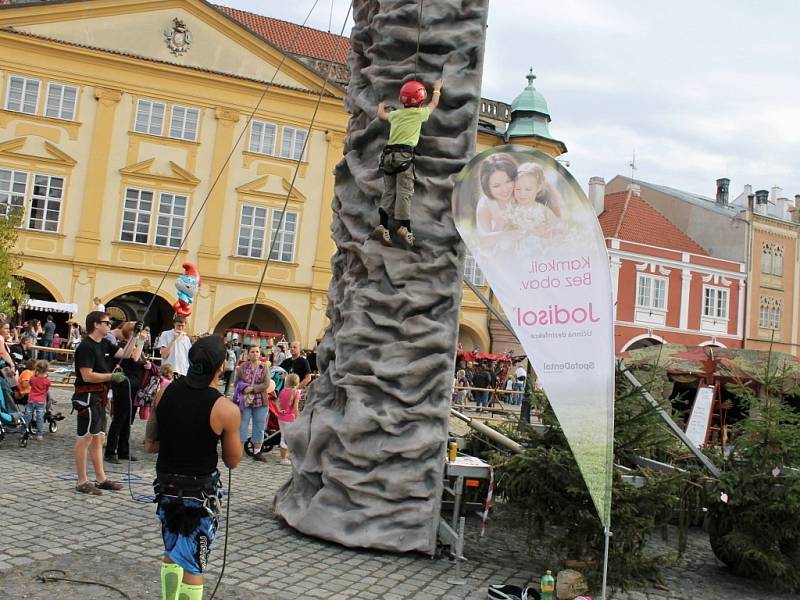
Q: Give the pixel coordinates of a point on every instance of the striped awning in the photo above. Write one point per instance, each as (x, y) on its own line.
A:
(47, 306)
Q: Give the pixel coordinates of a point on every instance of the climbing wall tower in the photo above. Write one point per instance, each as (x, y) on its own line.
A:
(368, 450)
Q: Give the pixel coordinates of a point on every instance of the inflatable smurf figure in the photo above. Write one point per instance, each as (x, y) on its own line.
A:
(186, 285)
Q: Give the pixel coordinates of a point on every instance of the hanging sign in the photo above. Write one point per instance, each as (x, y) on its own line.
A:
(536, 238)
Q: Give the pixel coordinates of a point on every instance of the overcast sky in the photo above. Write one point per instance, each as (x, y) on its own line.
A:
(698, 89)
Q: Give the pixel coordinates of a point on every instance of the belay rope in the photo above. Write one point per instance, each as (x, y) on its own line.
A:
(51, 575)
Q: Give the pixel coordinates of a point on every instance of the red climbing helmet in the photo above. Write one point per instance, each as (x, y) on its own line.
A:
(413, 93)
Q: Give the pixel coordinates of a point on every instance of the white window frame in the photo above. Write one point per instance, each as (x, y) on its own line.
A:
(168, 221)
(250, 241)
(147, 126)
(51, 203)
(472, 272)
(257, 139)
(284, 248)
(8, 193)
(711, 310)
(650, 281)
(26, 82)
(178, 130)
(295, 150)
(769, 317)
(60, 114)
(137, 215)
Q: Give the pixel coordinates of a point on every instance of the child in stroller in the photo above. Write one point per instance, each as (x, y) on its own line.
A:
(11, 420)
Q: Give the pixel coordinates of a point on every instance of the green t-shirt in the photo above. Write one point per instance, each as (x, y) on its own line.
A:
(405, 124)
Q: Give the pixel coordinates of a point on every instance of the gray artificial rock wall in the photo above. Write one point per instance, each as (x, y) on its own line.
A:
(368, 450)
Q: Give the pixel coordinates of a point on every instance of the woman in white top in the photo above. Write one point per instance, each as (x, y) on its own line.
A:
(494, 211)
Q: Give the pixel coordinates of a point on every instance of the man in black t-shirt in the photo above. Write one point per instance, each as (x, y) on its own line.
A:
(93, 372)
(297, 364)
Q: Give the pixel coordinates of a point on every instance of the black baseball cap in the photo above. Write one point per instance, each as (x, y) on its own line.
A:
(205, 356)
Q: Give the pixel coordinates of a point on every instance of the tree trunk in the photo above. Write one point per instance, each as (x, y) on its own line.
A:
(368, 451)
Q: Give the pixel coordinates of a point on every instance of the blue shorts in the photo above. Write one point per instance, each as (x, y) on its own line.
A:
(188, 549)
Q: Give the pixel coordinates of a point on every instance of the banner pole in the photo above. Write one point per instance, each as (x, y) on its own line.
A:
(607, 533)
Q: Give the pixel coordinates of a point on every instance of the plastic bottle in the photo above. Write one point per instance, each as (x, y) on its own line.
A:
(547, 586)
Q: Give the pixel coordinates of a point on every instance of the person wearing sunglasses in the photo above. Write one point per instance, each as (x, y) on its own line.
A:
(94, 364)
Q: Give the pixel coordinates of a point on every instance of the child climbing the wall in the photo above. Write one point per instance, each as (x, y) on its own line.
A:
(398, 157)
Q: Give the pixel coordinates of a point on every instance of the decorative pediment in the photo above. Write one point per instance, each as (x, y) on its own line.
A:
(145, 170)
(43, 154)
(273, 187)
(652, 267)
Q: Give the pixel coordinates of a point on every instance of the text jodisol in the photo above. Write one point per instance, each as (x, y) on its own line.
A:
(556, 314)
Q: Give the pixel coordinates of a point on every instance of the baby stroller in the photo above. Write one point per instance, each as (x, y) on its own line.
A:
(11, 420)
(272, 434)
(50, 417)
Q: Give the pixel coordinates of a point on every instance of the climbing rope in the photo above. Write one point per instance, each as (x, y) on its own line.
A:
(46, 577)
(419, 32)
(264, 272)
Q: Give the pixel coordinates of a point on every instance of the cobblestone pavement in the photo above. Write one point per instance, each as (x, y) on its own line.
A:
(114, 540)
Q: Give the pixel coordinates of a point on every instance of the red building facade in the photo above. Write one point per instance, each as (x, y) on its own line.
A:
(668, 289)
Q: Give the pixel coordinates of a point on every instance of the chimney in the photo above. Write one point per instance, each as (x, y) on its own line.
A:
(634, 189)
(751, 201)
(794, 215)
(762, 201)
(777, 192)
(597, 194)
(748, 189)
(722, 191)
(783, 208)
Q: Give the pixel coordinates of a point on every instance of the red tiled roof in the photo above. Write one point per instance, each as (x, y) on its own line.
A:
(628, 217)
(293, 38)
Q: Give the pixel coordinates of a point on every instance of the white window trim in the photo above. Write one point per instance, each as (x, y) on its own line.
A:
(156, 213)
(304, 147)
(183, 128)
(25, 194)
(60, 201)
(274, 138)
(150, 118)
(252, 226)
(282, 231)
(477, 277)
(149, 220)
(718, 290)
(24, 86)
(650, 307)
(64, 87)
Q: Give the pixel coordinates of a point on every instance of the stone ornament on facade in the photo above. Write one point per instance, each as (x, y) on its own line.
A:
(178, 37)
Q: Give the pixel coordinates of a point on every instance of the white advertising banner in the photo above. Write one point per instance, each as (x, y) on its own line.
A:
(537, 240)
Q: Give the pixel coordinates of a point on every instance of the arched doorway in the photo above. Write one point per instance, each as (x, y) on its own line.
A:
(35, 290)
(265, 319)
(643, 341)
(469, 339)
(131, 306)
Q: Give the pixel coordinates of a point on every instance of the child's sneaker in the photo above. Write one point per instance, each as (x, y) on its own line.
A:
(285, 461)
(39, 438)
(406, 235)
(383, 235)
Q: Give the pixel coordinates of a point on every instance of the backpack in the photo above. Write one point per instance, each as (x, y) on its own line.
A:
(149, 389)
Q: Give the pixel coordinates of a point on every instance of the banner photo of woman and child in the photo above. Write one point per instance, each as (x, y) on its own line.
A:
(537, 240)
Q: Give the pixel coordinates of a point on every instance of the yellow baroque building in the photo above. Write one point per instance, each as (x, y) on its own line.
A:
(136, 135)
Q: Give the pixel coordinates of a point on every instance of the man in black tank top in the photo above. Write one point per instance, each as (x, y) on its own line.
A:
(189, 419)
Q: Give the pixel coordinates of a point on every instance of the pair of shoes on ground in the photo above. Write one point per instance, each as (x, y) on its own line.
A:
(95, 489)
(261, 457)
(114, 460)
(512, 592)
(386, 239)
(285, 461)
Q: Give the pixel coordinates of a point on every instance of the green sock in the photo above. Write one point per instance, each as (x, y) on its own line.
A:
(190, 592)
(171, 576)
